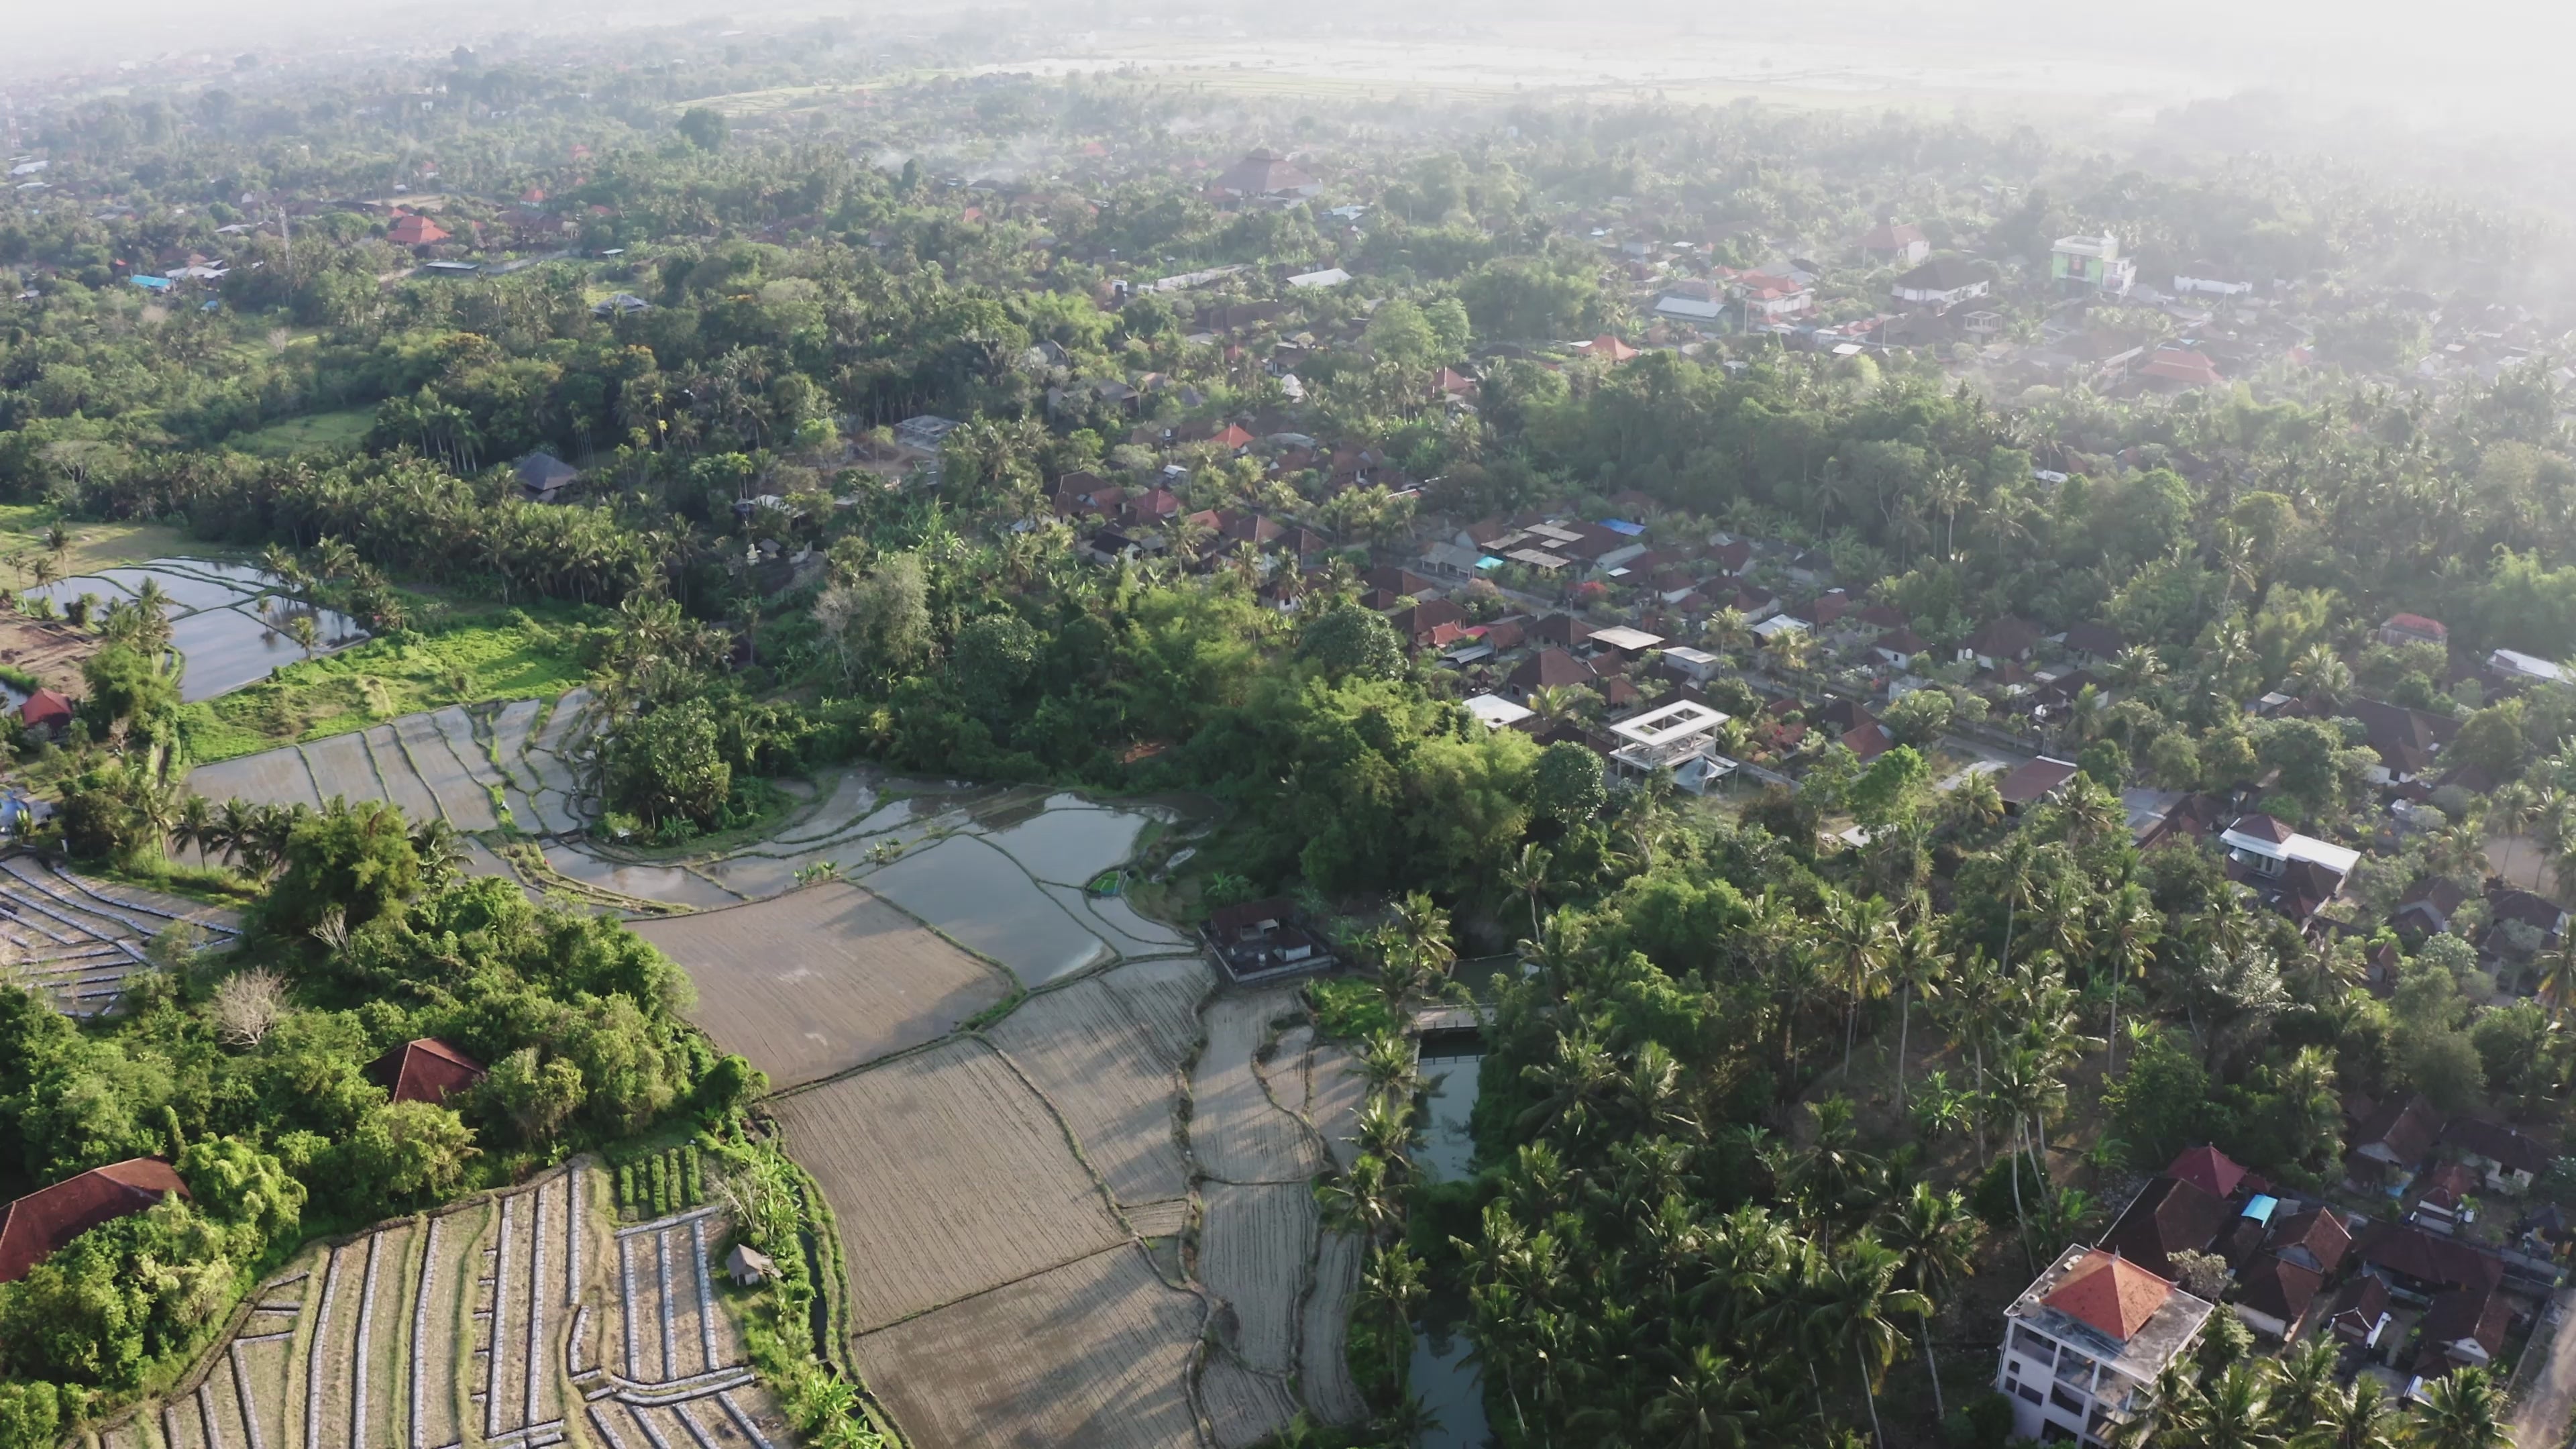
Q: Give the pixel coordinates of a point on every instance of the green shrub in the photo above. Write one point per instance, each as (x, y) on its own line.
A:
(661, 1188)
(697, 1188)
(625, 1185)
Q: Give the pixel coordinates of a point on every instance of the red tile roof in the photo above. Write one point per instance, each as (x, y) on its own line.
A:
(2208, 1169)
(427, 1070)
(42, 1221)
(45, 707)
(414, 230)
(2111, 1294)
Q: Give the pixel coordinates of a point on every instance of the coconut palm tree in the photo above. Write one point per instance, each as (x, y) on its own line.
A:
(1918, 966)
(2355, 1418)
(1528, 875)
(1861, 1305)
(1858, 939)
(1394, 1286)
(2462, 1410)
(1557, 704)
(1702, 1405)
(2557, 985)
(1935, 1235)
(1727, 633)
(440, 848)
(1386, 1130)
(1976, 800)
(1361, 1200)
(196, 827)
(2130, 928)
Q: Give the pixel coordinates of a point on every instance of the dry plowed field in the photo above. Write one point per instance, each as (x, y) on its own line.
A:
(996, 1301)
(1115, 1079)
(950, 1177)
(823, 979)
(1239, 1133)
(1094, 1353)
(76, 940)
(482, 1324)
(1242, 1262)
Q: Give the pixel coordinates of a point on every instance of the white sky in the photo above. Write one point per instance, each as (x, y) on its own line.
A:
(2482, 65)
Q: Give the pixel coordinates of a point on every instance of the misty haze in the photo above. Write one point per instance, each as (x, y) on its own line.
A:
(1218, 727)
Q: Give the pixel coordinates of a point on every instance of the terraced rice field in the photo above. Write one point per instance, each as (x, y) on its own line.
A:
(463, 766)
(77, 940)
(1097, 1352)
(823, 980)
(483, 1324)
(1113, 1077)
(998, 1301)
(227, 621)
(990, 1190)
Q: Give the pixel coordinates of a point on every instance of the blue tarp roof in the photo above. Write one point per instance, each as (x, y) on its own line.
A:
(2260, 1207)
(1489, 562)
(1621, 525)
(157, 284)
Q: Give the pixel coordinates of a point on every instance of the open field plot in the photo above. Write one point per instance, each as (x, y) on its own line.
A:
(989, 1189)
(481, 1324)
(314, 432)
(823, 979)
(1243, 1406)
(438, 764)
(51, 652)
(1323, 1363)
(77, 940)
(1238, 1133)
(1115, 1082)
(1096, 1352)
(1254, 1249)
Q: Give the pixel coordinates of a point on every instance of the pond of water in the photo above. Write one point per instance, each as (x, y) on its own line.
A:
(983, 900)
(1443, 1375)
(1449, 1100)
(1445, 1378)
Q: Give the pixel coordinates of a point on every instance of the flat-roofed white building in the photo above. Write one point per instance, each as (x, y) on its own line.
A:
(1496, 711)
(1678, 739)
(2083, 1345)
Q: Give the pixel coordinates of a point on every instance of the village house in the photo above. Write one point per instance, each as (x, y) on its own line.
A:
(44, 1220)
(2091, 264)
(425, 1070)
(2033, 781)
(2362, 1313)
(542, 476)
(2168, 1216)
(1895, 244)
(2085, 1342)
(1676, 739)
(1264, 939)
(1998, 641)
(2397, 1137)
(1940, 284)
(2295, 874)
(2400, 630)
(2507, 1160)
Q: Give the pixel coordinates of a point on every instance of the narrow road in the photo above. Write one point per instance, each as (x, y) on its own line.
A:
(2540, 1421)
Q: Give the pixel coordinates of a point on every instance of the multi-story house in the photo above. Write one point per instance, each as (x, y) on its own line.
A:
(2084, 1343)
(2091, 263)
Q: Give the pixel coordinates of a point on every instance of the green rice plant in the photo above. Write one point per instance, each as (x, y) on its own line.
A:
(661, 1188)
(626, 1185)
(690, 1173)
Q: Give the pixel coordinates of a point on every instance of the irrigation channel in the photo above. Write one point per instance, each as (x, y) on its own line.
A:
(1444, 1376)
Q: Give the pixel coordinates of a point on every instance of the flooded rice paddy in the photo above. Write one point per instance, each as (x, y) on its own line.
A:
(229, 622)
